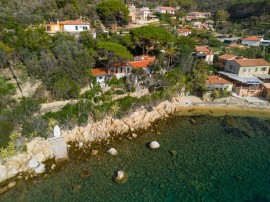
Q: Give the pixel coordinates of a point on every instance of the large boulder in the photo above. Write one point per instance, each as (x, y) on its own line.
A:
(154, 145)
(112, 151)
(3, 173)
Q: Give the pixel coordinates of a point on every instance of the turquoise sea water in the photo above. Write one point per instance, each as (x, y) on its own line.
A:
(218, 159)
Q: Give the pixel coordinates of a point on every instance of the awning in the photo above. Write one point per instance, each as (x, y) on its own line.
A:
(263, 76)
(242, 79)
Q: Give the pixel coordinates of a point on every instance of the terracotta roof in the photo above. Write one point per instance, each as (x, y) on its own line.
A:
(227, 57)
(184, 30)
(141, 63)
(167, 8)
(236, 45)
(204, 50)
(73, 22)
(214, 79)
(251, 38)
(266, 85)
(99, 71)
(252, 62)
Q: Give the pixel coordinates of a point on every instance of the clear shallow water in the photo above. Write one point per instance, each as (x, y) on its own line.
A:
(218, 159)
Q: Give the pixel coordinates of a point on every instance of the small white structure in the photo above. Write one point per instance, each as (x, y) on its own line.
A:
(163, 9)
(252, 41)
(59, 146)
(143, 13)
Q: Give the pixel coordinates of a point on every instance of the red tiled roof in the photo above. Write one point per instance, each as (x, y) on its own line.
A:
(236, 45)
(184, 30)
(214, 79)
(204, 50)
(226, 57)
(99, 71)
(251, 38)
(73, 22)
(141, 63)
(252, 62)
(167, 8)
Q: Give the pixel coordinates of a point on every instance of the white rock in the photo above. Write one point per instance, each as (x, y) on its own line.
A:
(154, 145)
(80, 144)
(40, 157)
(131, 129)
(134, 135)
(40, 168)
(112, 151)
(120, 175)
(53, 166)
(12, 184)
(3, 173)
(56, 131)
(12, 172)
(33, 163)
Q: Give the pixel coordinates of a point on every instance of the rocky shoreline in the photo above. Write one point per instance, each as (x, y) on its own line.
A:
(32, 162)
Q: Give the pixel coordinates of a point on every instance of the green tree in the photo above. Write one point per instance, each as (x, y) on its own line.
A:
(113, 11)
(113, 52)
(199, 73)
(150, 36)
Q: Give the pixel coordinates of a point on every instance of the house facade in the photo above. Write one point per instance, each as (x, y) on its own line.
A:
(163, 9)
(101, 75)
(247, 67)
(224, 58)
(199, 15)
(252, 41)
(245, 74)
(217, 82)
(204, 53)
(143, 13)
(184, 32)
(70, 26)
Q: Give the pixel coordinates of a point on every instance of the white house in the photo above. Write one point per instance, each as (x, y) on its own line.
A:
(184, 32)
(163, 9)
(101, 75)
(143, 13)
(200, 15)
(252, 41)
(70, 26)
(204, 53)
(216, 82)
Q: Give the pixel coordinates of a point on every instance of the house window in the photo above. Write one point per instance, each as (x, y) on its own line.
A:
(85, 28)
(231, 67)
(100, 77)
(256, 69)
(48, 28)
(249, 70)
(76, 27)
(128, 70)
(244, 70)
(263, 69)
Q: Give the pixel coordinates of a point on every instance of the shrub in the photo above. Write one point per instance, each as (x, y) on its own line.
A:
(119, 92)
(66, 88)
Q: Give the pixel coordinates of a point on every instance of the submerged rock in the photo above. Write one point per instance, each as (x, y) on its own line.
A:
(121, 177)
(154, 145)
(40, 169)
(173, 152)
(112, 151)
(94, 152)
